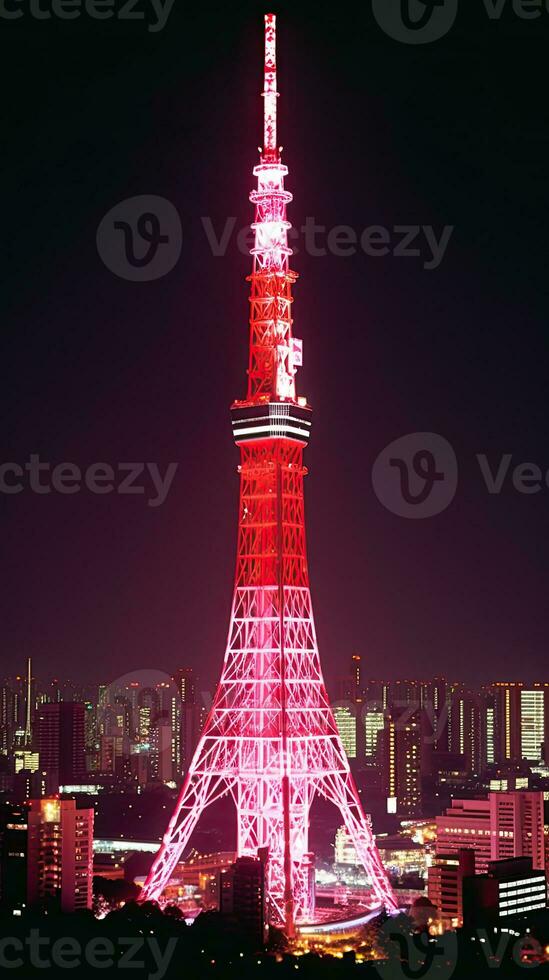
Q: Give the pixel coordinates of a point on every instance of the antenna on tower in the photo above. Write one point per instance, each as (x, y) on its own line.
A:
(28, 713)
(270, 93)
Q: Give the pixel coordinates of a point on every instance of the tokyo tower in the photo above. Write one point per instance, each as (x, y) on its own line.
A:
(271, 740)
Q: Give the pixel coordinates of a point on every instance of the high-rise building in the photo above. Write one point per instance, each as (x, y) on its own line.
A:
(185, 681)
(356, 675)
(242, 895)
(502, 826)
(28, 785)
(534, 722)
(489, 715)
(376, 694)
(13, 858)
(91, 737)
(437, 705)
(405, 696)
(445, 884)
(114, 754)
(348, 686)
(169, 716)
(61, 741)
(26, 759)
(29, 705)
(509, 890)
(10, 704)
(191, 713)
(374, 723)
(507, 720)
(399, 755)
(464, 726)
(60, 854)
(346, 720)
(162, 765)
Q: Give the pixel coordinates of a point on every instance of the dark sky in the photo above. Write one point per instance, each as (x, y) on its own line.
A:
(100, 369)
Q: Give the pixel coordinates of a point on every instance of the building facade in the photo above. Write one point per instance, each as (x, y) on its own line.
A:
(445, 884)
(60, 854)
(505, 825)
(508, 891)
(62, 741)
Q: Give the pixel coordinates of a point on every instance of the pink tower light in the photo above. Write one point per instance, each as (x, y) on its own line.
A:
(271, 740)
(270, 93)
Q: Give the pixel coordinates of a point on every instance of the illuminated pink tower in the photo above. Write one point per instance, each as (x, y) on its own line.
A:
(270, 740)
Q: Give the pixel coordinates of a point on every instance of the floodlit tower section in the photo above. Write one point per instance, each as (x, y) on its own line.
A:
(274, 355)
(271, 740)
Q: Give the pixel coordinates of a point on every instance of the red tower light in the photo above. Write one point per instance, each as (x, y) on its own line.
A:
(271, 740)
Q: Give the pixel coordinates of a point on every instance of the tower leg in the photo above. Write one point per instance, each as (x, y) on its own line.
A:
(199, 790)
(340, 789)
(261, 825)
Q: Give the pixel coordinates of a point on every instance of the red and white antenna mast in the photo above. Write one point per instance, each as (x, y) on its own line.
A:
(270, 93)
(270, 740)
(274, 353)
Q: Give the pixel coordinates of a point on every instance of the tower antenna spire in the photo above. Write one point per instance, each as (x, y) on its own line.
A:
(270, 94)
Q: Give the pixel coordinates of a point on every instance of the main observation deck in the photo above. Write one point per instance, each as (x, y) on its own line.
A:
(271, 420)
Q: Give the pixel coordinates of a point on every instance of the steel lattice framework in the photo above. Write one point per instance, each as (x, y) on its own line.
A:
(270, 739)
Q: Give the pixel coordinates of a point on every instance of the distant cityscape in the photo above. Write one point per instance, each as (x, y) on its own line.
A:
(456, 783)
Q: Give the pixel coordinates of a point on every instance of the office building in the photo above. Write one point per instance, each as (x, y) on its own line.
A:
(346, 721)
(242, 895)
(534, 719)
(399, 755)
(437, 705)
(61, 741)
(60, 854)
(374, 722)
(464, 726)
(186, 684)
(162, 765)
(510, 890)
(445, 884)
(13, 858)
(507, 720)
(505, 825)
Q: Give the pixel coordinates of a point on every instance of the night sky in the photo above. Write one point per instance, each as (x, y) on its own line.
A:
(100, 369)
